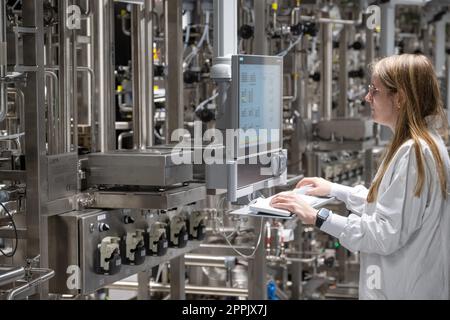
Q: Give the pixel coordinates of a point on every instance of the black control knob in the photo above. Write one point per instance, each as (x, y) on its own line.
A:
(297, 29)
(103, 227)
(206, 115)
(158, 70)
(128, 220)
(191, 77)
(357, 45)
(311, 29)
(246, 31)
(315, 77)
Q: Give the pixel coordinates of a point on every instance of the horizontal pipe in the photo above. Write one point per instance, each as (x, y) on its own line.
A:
(202, 290)
(198, 260)
(11, 275)
(194, 290)
(47, 274)
(328, 20)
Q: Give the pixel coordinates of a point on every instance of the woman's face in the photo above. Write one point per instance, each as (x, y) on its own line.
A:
(383, 104)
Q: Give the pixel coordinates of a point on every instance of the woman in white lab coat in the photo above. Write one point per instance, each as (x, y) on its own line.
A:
(401, 225)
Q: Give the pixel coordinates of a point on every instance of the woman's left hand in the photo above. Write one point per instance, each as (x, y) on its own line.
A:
(291, 202)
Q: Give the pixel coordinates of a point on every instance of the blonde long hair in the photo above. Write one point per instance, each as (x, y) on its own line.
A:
(414, 79)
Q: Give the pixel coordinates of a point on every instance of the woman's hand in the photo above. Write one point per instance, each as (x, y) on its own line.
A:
(319, 187)
(291, 202)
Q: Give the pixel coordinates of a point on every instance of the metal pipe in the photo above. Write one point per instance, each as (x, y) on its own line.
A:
(11, 275)
(294, 15)
(121, 137)
(21, 102)
(135, 53)
(328, 20)
(327, 71)
(124, 26)
(66, 64)
(104, 62)
(201, 290)
(123, 106)
(274, 16)
(142, 52)
(147, 65)
(3, 62)
(90, 71)
(225, 28)
(261, 42)
(174, 61)
(47, 274)
(198, 260)
(194, 290)
(343, 109)
(52, 95)
(92, 121)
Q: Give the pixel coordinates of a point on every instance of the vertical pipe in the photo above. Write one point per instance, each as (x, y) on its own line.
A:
(225, 28)
(387, 37)
(148, 72)
(104, 69)
(64, 80)
(370, 50)
(3, 62)
(426, 41)
(261, 47)
(90, 25)
(135, 53)
(440, 44)
(142, 51)
(297, 267)
(74, 98)
(225, 45)
(35, 152)
(174, 62)
(327, 70)
(304, 79)
(343, 73)
(387, 48)
(257, 267)
(144, 285)
(177, 277)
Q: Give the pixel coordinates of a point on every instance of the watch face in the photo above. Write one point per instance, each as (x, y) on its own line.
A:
(324, 213)
(322, 216)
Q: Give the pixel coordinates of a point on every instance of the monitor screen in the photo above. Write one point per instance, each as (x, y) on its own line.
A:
(259, 99)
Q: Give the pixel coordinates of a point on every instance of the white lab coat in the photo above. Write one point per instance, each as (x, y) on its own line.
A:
(403, 240)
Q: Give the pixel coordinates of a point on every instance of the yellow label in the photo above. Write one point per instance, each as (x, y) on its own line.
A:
(275, 6)
(119, 88)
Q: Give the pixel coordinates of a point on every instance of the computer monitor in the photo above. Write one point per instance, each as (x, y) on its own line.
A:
(257, 101)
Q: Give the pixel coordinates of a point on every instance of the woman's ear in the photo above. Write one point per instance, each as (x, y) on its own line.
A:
(396, 100)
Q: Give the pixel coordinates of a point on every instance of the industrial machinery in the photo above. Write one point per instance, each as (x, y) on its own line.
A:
(117, 169)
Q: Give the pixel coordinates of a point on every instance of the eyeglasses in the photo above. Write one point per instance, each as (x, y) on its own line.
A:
(372, 90)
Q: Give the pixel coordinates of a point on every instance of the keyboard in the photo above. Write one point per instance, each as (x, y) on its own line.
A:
(262, 205)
